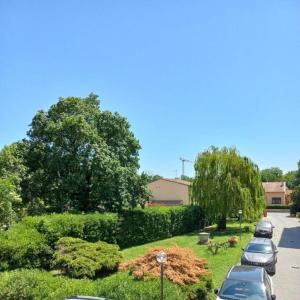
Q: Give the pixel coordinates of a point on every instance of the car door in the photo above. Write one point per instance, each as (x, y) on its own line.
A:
(268, 285)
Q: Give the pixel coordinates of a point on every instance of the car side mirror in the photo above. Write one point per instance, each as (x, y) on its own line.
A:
(273, 226)
(216, 291)
(273, 297)
(276, 251)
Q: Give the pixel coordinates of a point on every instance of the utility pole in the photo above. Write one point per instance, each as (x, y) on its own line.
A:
(184, 160)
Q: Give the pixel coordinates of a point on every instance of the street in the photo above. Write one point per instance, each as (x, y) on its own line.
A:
(287, 238)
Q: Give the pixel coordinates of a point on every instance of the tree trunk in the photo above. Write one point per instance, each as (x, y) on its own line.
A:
(222, 223)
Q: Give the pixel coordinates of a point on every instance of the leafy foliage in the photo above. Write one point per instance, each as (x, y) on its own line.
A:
(226, 182)
(80, 158)
(41, 285)
(182, 266)
(140, 226)
(271, 175)
(80, 259)
(10, 203)
(295, 197)
(91, 227)
(290, 178)
(23, 247)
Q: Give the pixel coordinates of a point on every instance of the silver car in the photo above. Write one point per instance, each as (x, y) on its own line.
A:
(246, 283)
(261, 252)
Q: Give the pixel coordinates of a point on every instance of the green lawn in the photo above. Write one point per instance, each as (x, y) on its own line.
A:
(219, 264)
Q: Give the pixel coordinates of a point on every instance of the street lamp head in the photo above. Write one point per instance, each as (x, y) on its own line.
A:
(240, 212)
(161, 257)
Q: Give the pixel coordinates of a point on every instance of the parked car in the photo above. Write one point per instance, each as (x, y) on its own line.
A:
(264, 229)
(261, 252)
(247, 283)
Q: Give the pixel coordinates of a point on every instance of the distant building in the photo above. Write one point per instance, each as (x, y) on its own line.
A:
(169, 192)
(276, 192)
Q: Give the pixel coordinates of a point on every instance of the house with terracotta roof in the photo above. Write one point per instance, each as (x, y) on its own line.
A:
(276, 192)
(167, 191)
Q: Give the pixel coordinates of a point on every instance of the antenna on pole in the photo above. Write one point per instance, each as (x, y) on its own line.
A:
(183, 161)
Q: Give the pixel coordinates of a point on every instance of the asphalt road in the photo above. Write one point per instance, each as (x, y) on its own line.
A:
(287, 238)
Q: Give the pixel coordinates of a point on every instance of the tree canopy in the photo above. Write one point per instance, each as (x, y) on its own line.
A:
(271, 175)
(81, 158)
(226, 182)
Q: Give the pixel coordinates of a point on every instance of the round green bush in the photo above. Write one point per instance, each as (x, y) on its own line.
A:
(81, 259)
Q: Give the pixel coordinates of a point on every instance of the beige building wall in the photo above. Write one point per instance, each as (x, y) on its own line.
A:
(269, 197)
(164, 190)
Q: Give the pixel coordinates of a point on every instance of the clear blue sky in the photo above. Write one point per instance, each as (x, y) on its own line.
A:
(186, 74)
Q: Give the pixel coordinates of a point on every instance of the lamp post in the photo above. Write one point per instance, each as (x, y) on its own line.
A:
(240, 217)
(161, 258)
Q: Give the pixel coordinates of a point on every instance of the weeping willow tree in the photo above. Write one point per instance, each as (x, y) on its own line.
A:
(226, 182)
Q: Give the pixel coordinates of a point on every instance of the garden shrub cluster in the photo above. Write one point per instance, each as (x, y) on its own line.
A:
(31, 243)
(41, 285)
(81, 259)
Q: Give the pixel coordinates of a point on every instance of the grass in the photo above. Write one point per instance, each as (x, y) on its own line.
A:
(219, 263)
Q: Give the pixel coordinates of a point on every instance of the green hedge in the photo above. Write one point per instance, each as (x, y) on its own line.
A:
(30, 244)
(140, 226)
(90, 227)
(24, 247)
(278, 206)
(41, 285)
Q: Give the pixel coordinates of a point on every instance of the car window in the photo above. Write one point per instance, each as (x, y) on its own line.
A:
(262, 248)
(234, 289)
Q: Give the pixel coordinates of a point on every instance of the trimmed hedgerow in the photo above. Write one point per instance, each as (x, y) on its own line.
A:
(81, 259)
(41, 285)
(24, 247)
(141, 226)
(278, 206)
(90, 227)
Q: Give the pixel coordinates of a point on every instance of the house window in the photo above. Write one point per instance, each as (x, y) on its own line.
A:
(276, 200)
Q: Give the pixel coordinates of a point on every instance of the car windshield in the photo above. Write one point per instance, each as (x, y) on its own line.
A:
(235, 290)
(262, 248)
(264, 225)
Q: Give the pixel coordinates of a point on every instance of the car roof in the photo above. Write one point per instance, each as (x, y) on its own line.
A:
(258, 240)
(263, 223)
(246, 273)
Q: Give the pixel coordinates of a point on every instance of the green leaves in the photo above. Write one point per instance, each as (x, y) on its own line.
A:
(82, 159)
(226, 182)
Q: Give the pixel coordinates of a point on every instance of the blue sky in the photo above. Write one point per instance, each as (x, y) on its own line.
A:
(186, 74)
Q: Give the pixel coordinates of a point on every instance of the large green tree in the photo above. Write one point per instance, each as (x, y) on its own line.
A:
(226, 182)
(290, 179)
(271, 175)
(81, 158)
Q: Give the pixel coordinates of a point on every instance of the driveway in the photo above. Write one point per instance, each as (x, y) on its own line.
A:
(287, 238)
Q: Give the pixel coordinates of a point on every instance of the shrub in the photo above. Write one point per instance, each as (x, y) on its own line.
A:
(141, 226)
(214, 247)
(91, 227)
(200, 290)
(23, 247)
(182, 266)
(233, 240)
(278, 206)
(41, 285)
(80, 259)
